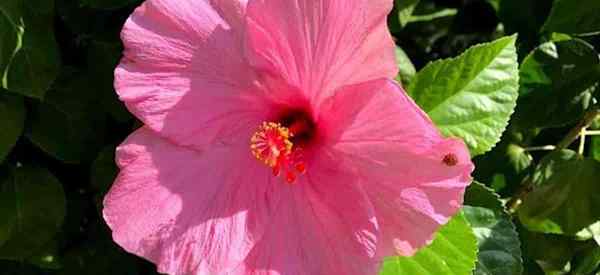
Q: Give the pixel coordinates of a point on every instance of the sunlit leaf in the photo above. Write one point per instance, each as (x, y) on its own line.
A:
(453, 252)
(405, 10)
(471, 96)
(406, 69)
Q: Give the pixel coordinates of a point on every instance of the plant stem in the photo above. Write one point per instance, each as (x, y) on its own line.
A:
(540, 148)
(581, 149)
(588, 119)
(579, 130)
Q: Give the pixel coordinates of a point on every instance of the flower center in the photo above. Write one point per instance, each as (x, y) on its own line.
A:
(278, 145)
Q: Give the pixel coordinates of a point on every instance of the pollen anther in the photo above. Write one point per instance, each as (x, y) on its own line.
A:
(272, 145)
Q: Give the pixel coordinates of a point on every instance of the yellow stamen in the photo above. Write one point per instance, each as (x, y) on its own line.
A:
(271, 143)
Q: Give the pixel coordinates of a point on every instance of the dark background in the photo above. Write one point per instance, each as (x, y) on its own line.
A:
(73, 132)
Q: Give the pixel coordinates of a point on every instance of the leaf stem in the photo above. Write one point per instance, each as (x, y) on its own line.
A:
(580, 130)
(587, 120)
(540, 148)
(581, 141)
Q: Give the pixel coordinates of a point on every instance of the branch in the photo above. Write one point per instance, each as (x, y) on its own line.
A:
(526, 185)
(588, 119)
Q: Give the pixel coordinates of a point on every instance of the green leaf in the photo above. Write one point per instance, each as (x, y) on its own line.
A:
(9, 35)
(595, 148)
(590, 232)
(452, 252)
(443, 13)
(32, 207)
(104, 172)
(12, 112)
(471, 96)
(35, 64)
(530, 267)
(479, 195)
(99, 255)
(566, 197)
(498, 241)
(405, 10)
(47, 256)
(406, 69)
(587, 261)
(68, 124)
(525, 18)
(555, 251)
(574, 17)
(559, 76)
(507, 160)
(18, 268)
(105, 57)
(495, 4)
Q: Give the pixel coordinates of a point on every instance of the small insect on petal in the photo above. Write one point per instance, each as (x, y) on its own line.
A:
(450, 159)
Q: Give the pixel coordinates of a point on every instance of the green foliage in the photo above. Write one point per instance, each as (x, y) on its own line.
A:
(587, 261)
(497, 239)
(406, 69)
(574, 17)
(33, 208)
(452, 252)
(104, 172)
(479, 195)
(525, 18)
(12, 112)
(105, 56)
(34, 62)
(64, 127)
(567, 196)
(559, 76)
(473, 95)
(507, 161)
(554, 251)
(98, 255)
(595, 148)
(499, 247)
(405, 10)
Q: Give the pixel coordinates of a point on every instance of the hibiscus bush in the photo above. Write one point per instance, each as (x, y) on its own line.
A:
(514, 82)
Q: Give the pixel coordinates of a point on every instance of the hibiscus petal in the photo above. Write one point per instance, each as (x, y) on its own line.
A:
(188, 212)
(324, 224)
(321, 45)
(415, 177)
(183, 63)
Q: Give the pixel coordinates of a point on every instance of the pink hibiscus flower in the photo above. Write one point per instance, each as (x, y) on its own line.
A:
(274, 141)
